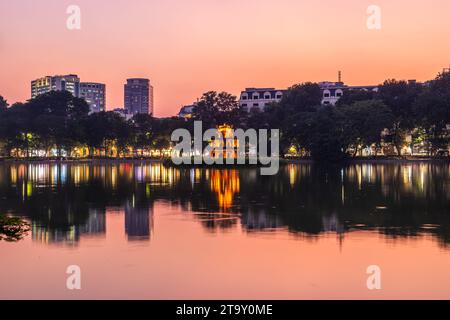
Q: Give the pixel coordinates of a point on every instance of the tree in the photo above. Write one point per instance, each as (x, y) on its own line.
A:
(3, 104)
(303, 97)
(432, 109)
(16, 128)
(54, 115)
(400, 96)
(364, 121)
(142, 126)
(325, 137)
(104, 130)
(294, 112)
(352, 96)
(13, 229)
(215, 109)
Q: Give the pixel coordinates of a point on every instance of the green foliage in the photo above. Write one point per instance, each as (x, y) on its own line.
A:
(353, 96)
(432, 109)
(215, 109)
(12, 228)
(364, 122)
(302, 97)
(58, 120)
(326, 137)
(49, 120)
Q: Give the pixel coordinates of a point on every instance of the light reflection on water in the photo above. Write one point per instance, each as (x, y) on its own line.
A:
(115, 206)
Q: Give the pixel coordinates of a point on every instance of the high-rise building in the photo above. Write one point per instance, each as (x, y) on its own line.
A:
(46, 84)
(94, 94)
(138, 96)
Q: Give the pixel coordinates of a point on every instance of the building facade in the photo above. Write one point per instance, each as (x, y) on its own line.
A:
(123, 113)
(259, 98)
(46, 84)
(94, 94)
(333, 91)
(138, 96)
(186, 111)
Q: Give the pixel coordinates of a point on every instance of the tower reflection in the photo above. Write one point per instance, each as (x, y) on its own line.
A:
(67, 201)
(225, 184)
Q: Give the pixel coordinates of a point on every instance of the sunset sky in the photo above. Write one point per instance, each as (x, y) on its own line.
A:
(187, 47)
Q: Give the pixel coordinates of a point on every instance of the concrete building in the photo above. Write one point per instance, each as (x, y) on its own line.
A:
(123, 113)
(46, 84)
(186, 111)
(138, 96)
(259, 98)
(333, 91)
(94, 94)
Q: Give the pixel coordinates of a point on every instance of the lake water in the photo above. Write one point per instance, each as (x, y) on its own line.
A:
(143, 231)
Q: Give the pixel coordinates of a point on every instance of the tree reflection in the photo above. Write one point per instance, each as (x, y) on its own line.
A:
(64, 201)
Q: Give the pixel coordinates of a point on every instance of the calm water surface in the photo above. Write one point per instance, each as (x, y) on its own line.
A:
(140, 230)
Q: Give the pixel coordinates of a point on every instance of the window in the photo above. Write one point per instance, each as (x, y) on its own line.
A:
(326, 102)
(255, 96)
(244, 97)
(267, 97)
(279, 96)
(338, 94)
(326, 95)
(256, 105)
(244, 104)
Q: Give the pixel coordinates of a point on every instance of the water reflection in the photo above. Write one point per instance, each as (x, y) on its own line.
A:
(65, 202)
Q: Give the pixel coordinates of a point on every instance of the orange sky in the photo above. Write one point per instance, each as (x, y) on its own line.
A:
(187, 47)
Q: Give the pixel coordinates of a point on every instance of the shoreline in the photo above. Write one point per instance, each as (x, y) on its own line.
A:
(282, 161)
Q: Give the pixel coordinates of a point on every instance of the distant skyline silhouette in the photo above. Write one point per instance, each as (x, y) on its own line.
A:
(188, 47)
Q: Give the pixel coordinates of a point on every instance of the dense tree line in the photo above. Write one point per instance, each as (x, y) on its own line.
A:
(361, 119)
(58, 121)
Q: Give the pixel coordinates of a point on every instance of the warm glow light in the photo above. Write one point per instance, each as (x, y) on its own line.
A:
(225, 45)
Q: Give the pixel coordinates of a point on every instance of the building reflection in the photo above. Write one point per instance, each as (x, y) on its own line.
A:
(96, 222)
(67, 201)
(257, 219)
(138, 222)
(70, 235)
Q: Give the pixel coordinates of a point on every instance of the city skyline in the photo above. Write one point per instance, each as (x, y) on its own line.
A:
(203, 151)
(150, 109)
(267, 45)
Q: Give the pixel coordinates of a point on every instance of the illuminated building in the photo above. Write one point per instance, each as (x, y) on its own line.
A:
(94, 94)
(138, 96)
(46, 84)
(228, 146)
